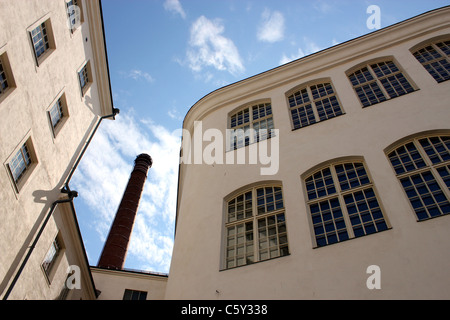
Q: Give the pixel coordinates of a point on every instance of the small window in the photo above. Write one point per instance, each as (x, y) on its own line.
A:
(378, 82)
(423, 169)
(74, 14)
(6, 78)
(42, 40)
(255, 227)
(50, 258)
(343, 204)
(250, 125)
(85, 77)
(58, 114)
(312, 104)
(435, 58)
(134, 295)
(3, 79)
(22, 163)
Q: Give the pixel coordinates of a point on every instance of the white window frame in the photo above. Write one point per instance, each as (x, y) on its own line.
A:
(353, 220)
(255, 129)
(419, 166)
(377, 80)
(314, 102)
(244, 242)
(428, 64)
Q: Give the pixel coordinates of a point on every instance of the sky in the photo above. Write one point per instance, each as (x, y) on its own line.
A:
(164, 56)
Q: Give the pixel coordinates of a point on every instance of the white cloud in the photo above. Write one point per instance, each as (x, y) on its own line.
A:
(209, 48)
(272, 26)
(102, 176)
(309, 47)
(175, 6)
(137, 74)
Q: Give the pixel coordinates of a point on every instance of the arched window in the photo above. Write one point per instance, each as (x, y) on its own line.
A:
(251, 124)
(343, 203)
(435, 58)
(378, 82)
(255, 226)
(423, 168)
(313, 103)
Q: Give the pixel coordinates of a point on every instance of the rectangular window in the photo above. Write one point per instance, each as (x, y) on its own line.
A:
(134, 295)
(50, 258)
(58, 114)
(41, 36)
(3, 79)
(74, 14)
(21, 163)
(85, 77)
(7, 83)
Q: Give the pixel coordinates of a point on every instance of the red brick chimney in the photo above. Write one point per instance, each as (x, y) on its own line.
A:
(116, 246)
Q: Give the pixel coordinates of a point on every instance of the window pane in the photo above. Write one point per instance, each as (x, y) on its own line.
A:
(406, 158)
(320, 184)
(364, 212)
(425, 195)
(432, 60)
(437, 148)
(328, 222)
(351, 175)
(3, 80)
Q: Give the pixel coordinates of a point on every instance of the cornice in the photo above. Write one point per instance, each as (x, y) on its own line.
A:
(101, 68)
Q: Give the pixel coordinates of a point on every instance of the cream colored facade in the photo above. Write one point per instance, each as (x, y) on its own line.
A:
(114, 283)
(40, 75)
(411, 257)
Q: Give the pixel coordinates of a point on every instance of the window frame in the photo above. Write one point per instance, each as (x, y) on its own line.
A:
(129, 294)
(7, 75)
(63, 111)
(245, 134)
(85, 69)
(52, 258)
(341, 195)
(24, 177)
(50, 42)
(312, 102)
(260, 246)
(422, 166)
(377, 80)
(443, 55)
(79, 16)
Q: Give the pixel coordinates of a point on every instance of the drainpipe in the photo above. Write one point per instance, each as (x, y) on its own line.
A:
(71, 195)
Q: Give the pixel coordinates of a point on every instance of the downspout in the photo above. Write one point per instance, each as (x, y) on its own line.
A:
(71, 196)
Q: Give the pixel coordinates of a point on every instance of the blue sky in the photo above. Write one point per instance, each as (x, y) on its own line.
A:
(164, 55)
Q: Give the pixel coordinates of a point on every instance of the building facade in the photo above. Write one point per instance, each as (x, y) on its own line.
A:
(54, 93)
(325, 178)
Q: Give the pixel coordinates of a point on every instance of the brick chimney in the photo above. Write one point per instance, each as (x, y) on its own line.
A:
(116, 246)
